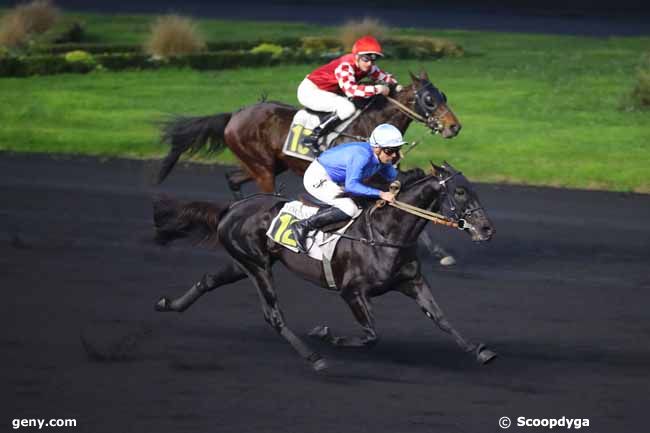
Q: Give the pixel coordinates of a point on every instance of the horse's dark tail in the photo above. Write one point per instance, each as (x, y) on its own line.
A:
(197, 220)
(191, 134)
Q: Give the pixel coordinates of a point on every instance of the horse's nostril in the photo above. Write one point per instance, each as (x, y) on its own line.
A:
(456, 128)
(488, 231)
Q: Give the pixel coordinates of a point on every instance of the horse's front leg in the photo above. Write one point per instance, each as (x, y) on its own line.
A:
(362, 311)
(419, 290)
(444, 257)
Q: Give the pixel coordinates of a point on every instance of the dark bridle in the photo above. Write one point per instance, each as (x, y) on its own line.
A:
(460, 218)
(428, 100)
(457, 219)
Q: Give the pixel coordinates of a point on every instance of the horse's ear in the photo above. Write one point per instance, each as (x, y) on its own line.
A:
(415, 79)
(434, 168)
(437, 172)
(424, 76)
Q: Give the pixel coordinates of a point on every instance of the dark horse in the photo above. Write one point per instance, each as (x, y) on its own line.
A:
(362, 269)
(256, 134)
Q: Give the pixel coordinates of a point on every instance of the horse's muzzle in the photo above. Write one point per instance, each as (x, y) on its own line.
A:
(451, 131)
(483, 233)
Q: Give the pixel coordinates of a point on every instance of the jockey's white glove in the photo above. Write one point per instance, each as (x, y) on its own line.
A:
(399, 88)
(387, 196)
(382, 90)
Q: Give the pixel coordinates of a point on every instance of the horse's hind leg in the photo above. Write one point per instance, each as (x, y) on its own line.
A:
(236, 178)
(362, 311)
(225, 275)
(273, 315)
(419, 290)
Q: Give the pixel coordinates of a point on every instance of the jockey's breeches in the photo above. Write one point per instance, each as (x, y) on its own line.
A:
(318, 183)
(316, 99)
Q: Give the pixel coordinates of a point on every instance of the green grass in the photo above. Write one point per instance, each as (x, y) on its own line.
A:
(535, 109)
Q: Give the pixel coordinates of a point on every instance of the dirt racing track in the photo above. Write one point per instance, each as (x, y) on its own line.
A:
(561, 293)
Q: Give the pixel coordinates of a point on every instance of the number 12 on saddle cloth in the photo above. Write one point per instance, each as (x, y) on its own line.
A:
(318, 245)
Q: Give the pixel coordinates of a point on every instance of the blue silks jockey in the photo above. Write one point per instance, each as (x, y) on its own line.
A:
(341, 170)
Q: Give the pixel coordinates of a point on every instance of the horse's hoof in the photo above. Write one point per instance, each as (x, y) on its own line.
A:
(484, 356)
(163, 305)
(319, 365)
(447, 261)
(320, 332)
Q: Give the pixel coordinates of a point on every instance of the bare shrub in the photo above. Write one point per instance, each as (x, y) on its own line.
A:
(25, 19)
(353, 30)
(173, 35)
(39, 15)
(13, 31)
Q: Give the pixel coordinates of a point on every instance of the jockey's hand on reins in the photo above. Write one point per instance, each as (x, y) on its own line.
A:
(394, 88)
(394, 188)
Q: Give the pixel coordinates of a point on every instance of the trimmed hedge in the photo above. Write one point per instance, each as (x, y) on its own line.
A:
(40, 65)
(47, 65)
(398, 47)
(87, 47)
(131, 48)
(52, 58)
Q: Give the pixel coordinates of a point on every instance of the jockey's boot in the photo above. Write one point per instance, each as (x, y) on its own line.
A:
(323, 217)
(324, 128)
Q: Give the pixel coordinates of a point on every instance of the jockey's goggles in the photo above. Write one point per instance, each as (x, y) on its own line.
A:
(391, 150)
(370, 57)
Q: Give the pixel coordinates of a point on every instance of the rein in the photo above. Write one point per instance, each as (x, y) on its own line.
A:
(435, 218)
(371, 241)
(426, 214)
(406, 110)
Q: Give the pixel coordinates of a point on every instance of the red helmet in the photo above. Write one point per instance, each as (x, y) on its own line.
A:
(367, 45)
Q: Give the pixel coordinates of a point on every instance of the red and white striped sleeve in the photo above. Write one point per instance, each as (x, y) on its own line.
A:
(344, 74)
(378, 75)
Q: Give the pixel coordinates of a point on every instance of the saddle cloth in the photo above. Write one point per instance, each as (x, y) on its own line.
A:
(320, 245)
(302, 125)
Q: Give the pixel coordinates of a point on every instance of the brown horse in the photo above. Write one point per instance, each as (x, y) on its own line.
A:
(256, 134)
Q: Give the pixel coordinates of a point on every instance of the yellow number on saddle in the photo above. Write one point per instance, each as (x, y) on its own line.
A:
(283, 235)
(297, 132)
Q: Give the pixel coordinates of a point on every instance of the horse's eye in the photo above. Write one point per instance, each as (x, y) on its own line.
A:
(460, 192)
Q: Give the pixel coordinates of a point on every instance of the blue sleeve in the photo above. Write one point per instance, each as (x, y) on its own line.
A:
(354, 177)
(388, 172)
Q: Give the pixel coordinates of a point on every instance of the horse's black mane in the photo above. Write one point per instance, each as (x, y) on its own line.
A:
(405, 178)
(408, 177)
